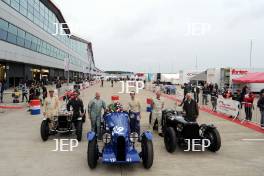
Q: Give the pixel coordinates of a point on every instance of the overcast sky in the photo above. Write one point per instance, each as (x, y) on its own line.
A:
(154, 35)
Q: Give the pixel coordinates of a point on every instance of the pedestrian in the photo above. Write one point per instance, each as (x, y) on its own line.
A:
(37, 91)
(214, 96)
(58, 87)
(2, 88)
(186, 90)
(51, 106)
(205, 94)
(248, 103)
(102, 82)
(44, 92)
(32, 92)
(134, 108)
(157, 106)
(95, 108)
(196, 93)
(77, 107)
(261, 107)
(190, 108)
(112, 82)
(24, 92)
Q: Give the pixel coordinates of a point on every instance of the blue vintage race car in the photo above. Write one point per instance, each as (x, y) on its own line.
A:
(119, 143)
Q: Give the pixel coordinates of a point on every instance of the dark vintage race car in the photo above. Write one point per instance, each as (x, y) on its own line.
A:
(177, 130)
(119, 143)
(62, 123)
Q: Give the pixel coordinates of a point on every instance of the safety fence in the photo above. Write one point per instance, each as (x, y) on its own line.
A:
(234, 109)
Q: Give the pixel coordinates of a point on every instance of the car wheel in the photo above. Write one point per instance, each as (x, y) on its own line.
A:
(92, 154)
(44, 130)
(215, 139)
(170, 139)
(147, 153)
(79, 126)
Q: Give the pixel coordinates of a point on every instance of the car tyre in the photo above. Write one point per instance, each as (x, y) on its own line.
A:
(79, 129)
(170, 139)
(92, 154)
(213, 135)
(147, 153)
(44, 130)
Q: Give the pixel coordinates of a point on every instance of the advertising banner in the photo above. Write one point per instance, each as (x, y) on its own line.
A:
(227, 106)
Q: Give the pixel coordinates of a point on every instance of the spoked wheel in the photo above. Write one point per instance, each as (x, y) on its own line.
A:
(213, 135)
(44, 130)
(92, 153)
(170, 139)
(147, 153)
(79, 128)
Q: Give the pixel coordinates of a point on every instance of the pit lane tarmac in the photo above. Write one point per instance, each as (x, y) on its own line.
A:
(24, 154)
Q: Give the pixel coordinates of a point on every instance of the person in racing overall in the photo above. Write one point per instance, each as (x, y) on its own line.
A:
(51, 106)
(95, 107)
(134, 108)
(77, 106)
(157, 106)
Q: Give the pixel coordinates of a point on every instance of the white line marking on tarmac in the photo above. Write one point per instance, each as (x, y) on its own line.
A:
(257, 140)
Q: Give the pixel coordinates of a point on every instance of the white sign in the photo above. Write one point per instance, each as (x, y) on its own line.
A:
(179, 94)
(227, 106)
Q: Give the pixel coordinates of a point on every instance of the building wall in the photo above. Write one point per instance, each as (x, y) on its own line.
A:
(11, 52)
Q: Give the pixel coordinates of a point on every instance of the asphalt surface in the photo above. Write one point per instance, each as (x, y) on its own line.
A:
(23, 153)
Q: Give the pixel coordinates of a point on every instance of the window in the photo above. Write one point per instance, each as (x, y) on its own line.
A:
(3, 34)
(7, 1)
(23, 3)
(12, 29)
(30, 8)
(30, 16)
(23, 11)
(34, 43)
(15, 4)
(21, 33)
(3, 25)
(20, 41)
(28, 40)
(11, 38)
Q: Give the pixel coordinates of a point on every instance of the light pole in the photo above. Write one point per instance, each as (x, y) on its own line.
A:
(250, 55)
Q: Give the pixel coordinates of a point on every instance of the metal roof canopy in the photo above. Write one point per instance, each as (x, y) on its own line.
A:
(200, 77)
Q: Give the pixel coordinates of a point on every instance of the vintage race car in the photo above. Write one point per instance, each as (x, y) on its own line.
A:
(62, 123)
(119, 143)
(177, 130)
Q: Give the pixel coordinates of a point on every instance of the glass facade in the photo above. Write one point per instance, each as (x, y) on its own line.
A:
(12, 34)
(39, 14)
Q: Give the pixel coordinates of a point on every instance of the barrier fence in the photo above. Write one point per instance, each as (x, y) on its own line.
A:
(229, 107)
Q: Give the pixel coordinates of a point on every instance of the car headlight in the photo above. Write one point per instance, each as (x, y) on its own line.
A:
(133, 137)
(106, 138)
(179, 127)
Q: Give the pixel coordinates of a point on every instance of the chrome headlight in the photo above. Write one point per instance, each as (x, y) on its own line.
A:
(179, 127)
(133, 137)
(107, 138)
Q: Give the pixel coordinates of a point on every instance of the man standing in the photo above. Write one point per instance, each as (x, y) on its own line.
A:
(134, 108)
(157, 106)
(205, 94)
(261, 107)
(190, 107)
(1, 91)
(77, 106)
(248, 104)
(51, 105)
(24, 92)
(95, 107)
